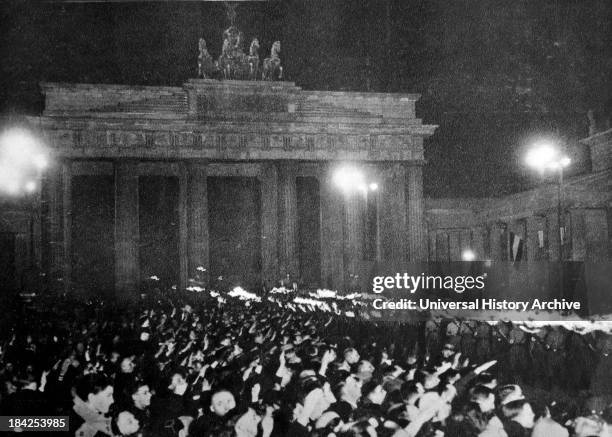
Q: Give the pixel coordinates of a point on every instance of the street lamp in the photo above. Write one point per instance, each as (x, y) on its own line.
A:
(352, 180)
(544, 157)
(23, 159)
(468, 255)
(359, 193)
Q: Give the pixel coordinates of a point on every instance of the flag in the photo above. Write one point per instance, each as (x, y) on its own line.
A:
(541, 239)
(517, 247)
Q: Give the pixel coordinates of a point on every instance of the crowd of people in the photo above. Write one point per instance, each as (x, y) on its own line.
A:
(177, 364)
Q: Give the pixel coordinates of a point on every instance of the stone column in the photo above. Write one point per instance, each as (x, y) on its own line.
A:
(126, 229)
(67, 225)
(535, 224)
(495, 246)
(53, 235)
(554, 235)
(477, 242)
(22, 260)
(332, 261)
(415, 215)
(442, 246)
(36, 225)
(576, 237)
(455, 246)
(393, 214)
(288, 226)
(554, 252)
(354, 225)
(537, 267)
(269, 224)
(431, 245)
(597, 234)
(608, 241)
(183, 218)
(197, 223)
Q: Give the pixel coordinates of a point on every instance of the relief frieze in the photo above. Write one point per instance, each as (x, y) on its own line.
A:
(310, 143)
(63, 138)
(197, 140)
(163, 139)
(183, 139)
(134, 139)
(265, 142)
(78, 139)
(226, 145)
(208, 141)
(220, 141)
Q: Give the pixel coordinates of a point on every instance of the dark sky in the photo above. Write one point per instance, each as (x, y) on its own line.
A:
(492, 73)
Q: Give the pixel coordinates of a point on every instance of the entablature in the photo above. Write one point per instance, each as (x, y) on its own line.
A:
(232, 119)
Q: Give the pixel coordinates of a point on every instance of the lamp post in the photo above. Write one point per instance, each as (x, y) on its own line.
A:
(23, 159)
(356, 188)
(546, 157)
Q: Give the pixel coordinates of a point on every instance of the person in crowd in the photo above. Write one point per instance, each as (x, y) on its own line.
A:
(372, 397)
(219, 417)
(351, 357)
(307, 405)
(138, 402)
(243, 368)
(518, 415)
(26, 400)
(347, 391)
(92, 401)
(125, 424)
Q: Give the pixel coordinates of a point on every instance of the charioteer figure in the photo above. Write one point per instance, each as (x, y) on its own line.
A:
(233, 61)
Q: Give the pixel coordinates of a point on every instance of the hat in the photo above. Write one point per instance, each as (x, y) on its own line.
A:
(326, 418)
(510, 393)
(391, 384)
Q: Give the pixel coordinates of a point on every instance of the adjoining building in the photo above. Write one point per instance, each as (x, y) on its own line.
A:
(522, 231)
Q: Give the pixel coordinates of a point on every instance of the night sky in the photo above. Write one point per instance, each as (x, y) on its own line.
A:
(492, 73)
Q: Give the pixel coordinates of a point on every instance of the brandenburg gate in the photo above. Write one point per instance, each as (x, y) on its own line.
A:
(209, 131)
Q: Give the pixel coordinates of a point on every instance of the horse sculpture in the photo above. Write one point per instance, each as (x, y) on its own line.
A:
(253, 60)
(206, 66)
(272, 68)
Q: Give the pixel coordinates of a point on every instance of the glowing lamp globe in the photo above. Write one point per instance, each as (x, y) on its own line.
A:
(468, 255)
(542, 156)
